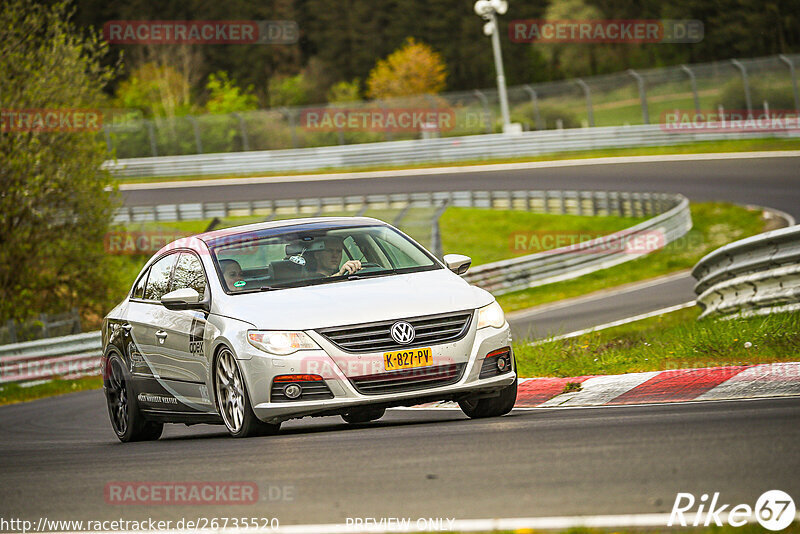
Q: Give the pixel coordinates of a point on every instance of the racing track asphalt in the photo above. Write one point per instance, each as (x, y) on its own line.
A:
(58, 454)
(773, 182)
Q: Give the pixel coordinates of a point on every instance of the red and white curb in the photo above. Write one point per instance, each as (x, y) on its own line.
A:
(676, 385)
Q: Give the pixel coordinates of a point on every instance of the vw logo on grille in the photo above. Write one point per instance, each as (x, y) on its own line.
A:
(403, 332)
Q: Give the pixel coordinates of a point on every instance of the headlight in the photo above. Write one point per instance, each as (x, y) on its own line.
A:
(280, 342)
(491, 315)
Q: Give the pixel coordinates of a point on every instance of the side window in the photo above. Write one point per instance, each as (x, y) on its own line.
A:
(138, 291)
(189, 273)
(158, 281)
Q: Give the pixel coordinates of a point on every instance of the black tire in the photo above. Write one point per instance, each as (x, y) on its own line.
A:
(363, 415)
(249, 425)
(123, 409)
(492, 406)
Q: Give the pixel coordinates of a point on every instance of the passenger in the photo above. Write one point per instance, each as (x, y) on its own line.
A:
(232, 274)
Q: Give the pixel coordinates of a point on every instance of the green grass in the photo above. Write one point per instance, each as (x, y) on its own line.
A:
(715, 224)
(13, 393)
(673, 341)
(493, 235)
(740, 145)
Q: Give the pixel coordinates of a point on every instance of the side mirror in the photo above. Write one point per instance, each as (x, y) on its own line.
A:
(458, 263)
(183, 299)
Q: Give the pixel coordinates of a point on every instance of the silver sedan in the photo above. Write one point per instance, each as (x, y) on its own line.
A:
(254, 325)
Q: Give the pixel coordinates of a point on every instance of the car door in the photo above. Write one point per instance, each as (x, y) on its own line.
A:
(180, 360)
(151, 323)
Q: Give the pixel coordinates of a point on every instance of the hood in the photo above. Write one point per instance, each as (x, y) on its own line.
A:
(355, 301)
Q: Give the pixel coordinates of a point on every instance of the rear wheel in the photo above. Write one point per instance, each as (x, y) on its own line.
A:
(492, 406)
(123, 410)
(233, 402)
(363, 415)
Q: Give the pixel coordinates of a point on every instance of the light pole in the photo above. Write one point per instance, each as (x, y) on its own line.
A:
(488, 10)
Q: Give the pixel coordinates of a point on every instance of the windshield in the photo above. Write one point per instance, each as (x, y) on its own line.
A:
(253, 262)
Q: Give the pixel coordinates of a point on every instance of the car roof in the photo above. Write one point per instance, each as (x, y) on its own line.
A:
(303, 224)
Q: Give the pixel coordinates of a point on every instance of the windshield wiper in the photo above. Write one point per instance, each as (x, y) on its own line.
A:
(358, 275)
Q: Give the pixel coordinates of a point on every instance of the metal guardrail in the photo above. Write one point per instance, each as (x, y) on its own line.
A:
(754, 276)
(576, 260)
(43, 326)
(65, 357)
(556, 202)
(473, 147)
(72, 356)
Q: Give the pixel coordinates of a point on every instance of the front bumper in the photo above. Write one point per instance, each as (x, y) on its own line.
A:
(260, 368)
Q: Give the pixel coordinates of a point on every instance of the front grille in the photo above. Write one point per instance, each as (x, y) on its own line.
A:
(312, 390)
(409, 379)
(372, 337)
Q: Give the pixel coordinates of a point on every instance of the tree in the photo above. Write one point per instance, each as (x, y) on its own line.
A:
(157, 91)
(226, 97)
(54, 203)
(288, 91)
(345, 92)
(573, 59)
(414, 69)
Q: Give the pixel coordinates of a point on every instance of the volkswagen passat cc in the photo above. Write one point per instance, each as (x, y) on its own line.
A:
(254, 325)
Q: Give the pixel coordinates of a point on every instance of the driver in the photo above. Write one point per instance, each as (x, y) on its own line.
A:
(329, 258)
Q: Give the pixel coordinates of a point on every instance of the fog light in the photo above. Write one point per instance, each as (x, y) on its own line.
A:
(292, 391)
(502, 363)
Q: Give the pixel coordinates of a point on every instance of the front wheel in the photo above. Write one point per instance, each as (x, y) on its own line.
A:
(233, 402)
(492, 406)
(123, 409)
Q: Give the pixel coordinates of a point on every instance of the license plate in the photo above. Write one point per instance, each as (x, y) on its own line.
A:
(407, 359)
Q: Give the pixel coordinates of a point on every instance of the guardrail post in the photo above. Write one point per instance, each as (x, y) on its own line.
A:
(537, 118)
(738, 64)
(693, 82)
(487, 113)
(12, 330)
(401, 215)
(198, 143)
(792, 73)
(243, 131)
(107, 135)
(588, 93)
(152, 134)
(642, 95)
(436, 234)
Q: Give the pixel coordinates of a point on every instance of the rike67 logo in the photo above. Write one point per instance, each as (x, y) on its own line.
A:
(774, 510)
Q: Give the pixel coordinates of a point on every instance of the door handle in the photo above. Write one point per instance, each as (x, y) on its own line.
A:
(161, 335)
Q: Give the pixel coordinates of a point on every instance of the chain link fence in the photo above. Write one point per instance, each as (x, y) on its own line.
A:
(626, 98)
